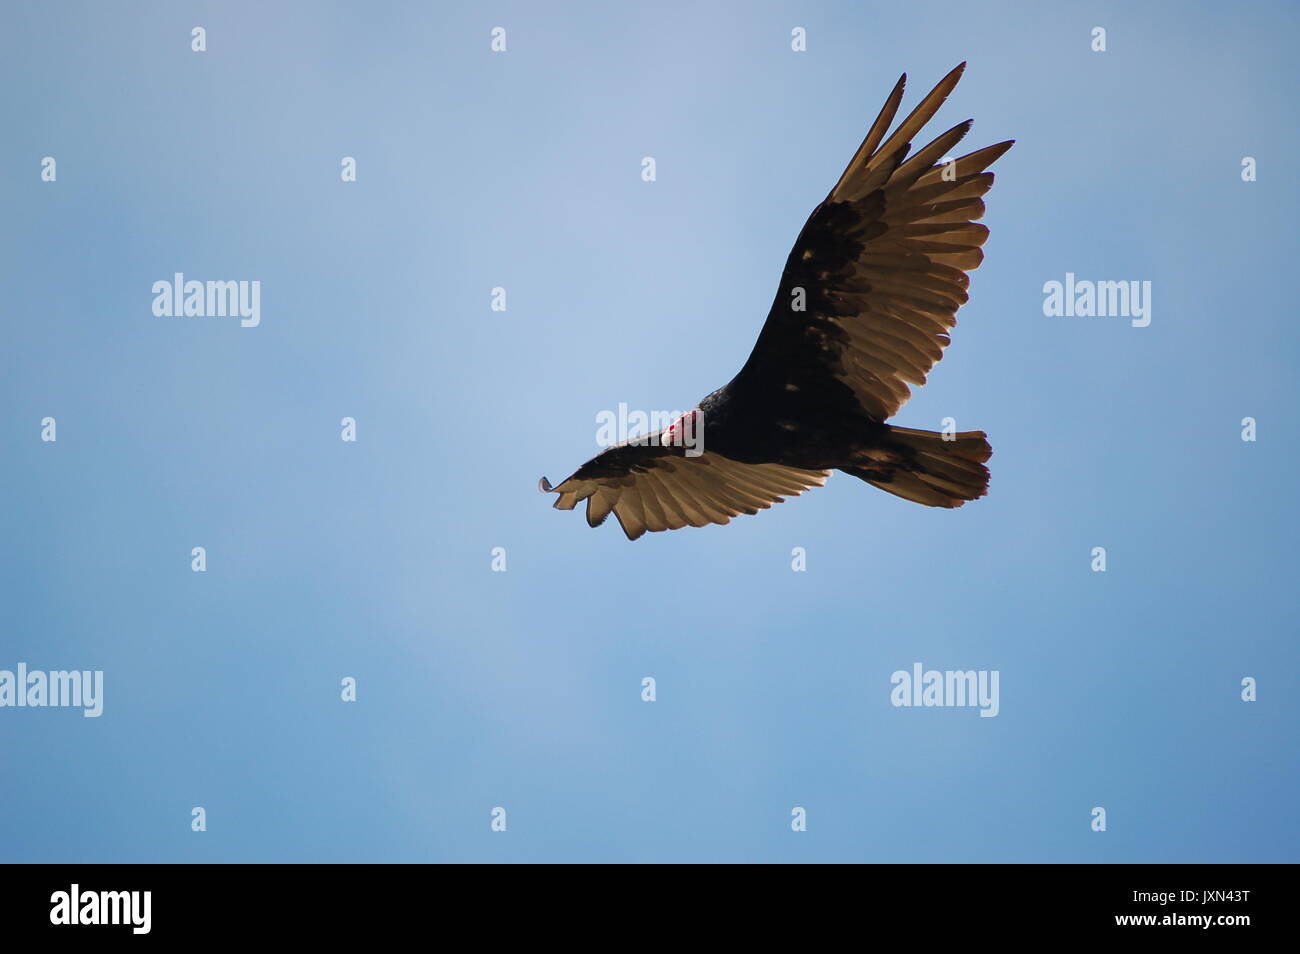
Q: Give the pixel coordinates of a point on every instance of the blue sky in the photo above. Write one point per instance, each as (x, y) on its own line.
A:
(372, 559)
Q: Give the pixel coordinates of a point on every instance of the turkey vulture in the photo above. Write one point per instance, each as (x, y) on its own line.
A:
(868, 296)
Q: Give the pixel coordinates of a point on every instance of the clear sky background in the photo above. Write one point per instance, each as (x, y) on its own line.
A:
(522, 689)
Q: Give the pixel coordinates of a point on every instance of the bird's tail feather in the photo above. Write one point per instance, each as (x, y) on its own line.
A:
(936, 470)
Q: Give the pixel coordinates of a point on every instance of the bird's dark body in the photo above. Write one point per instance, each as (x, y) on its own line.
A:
(816, 430)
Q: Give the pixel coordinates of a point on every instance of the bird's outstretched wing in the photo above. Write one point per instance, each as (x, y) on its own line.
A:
(882, 266)
(650, 486)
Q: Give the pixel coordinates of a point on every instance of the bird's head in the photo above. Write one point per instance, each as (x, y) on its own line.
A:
(687, 431)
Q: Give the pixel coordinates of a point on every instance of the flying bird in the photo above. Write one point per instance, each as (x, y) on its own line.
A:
(868, 297)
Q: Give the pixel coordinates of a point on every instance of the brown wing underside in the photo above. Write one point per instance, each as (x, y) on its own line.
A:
(882, 263)
(655, 488)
